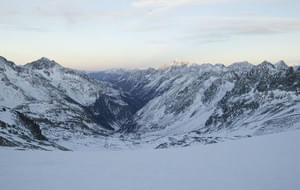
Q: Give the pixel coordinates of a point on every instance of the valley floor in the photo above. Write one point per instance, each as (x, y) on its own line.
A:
(267, 162)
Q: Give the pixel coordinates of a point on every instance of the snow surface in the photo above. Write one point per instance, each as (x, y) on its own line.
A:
(7, 117)
(267, 162)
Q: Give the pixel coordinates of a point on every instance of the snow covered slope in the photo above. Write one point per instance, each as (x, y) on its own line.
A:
(179, 104)
(76, 85)
(182, 104)
(67, 105)
(18, 130)
(267, 162)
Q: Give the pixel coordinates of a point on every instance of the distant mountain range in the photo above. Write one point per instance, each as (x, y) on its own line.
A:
(46, 106)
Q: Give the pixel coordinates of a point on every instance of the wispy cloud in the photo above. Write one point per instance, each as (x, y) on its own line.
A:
(256, 25)
(159, 3)
(223, 29)
(23, 13)
(219, 29)
(73, 10)
(13, 27)
(239, 25)
(173, 3)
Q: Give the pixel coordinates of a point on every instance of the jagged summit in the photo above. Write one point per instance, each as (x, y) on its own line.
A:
(175, 63)
(42, 63)
(266, 66)
(243, 66)
(3, 60)
(281, 65)
(180, 64)
(45, 59)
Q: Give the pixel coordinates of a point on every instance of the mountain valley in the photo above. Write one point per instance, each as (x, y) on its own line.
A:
(46, 106)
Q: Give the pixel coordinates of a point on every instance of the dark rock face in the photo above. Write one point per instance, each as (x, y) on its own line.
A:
(133, 83)
(260, 81)
(32, 126)
(211, 92)
(5, 142)
(107, 112)
(25, 133)
(43, 63)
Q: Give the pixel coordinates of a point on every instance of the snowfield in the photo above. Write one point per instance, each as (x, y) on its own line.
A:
(260, 163)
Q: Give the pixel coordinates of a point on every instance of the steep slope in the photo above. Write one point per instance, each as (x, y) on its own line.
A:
(188, 103)
(265, 100)
(109, 106)
(176, 105)
(18, 130)
(66, 104)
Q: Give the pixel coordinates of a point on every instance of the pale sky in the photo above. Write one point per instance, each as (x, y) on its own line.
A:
(98, 34)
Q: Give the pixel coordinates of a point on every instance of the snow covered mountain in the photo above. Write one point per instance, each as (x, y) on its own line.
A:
(67, 105)
(46, 106)
(182, 104)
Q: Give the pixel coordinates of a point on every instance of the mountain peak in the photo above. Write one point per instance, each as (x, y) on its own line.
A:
(241, 66)
(42, 63)
(44, 59)
(281, 65)
(266, 64)
(3, 60)
(175, 63)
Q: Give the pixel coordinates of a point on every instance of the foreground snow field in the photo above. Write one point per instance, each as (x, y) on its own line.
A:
(265, 162)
